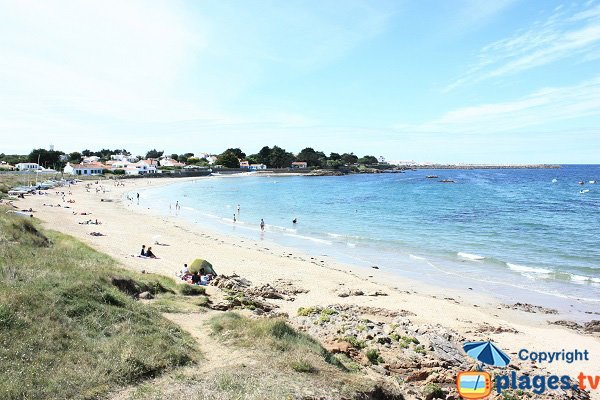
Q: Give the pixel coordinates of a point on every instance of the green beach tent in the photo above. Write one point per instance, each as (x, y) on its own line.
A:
(199, 264)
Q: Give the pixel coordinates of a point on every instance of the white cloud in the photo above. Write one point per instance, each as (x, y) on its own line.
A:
(542, 108)
(567, 33)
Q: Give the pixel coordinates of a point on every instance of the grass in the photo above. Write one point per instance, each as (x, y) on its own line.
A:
(65, 330)
(170, 303)
(191, 290)
(434, 391)
(374, 356)
(272, 334)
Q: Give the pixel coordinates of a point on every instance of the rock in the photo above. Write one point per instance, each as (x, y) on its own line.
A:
(145, 296)
(567, 324)
(377, 293)
(592, 326)
(530, 308)
(380, 369)
(417, 376)
(221, 306)
(338, 347)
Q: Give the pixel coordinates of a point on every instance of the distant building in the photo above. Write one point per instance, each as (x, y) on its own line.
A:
(245, 164)
(142, 167)
(123, 157)
(84, 169)
(169, 162)
(63, 157)
(299, 164)
(257, 167)
(91, 159)
(28, 167)
(381, 160)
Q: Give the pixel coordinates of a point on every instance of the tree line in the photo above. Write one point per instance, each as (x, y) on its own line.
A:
(272, 157)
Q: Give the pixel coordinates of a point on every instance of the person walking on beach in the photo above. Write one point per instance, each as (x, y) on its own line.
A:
(177, 205)
(262, 224)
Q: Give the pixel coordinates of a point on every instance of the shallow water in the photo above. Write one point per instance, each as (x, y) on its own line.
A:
(498, 231)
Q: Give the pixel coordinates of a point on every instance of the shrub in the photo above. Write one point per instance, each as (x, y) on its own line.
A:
(302, 366)
(191, 290)
(355, 342)
(434, 391)
(374, 356)
(306, 311)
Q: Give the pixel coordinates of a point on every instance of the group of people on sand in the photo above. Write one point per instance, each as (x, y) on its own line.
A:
(196, 278)
(90, 222)
(147, 252)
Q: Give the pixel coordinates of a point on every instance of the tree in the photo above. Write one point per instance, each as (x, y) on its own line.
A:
(154, 154)
(264, 156)
(238, 153)
(312, 157)
(280, 158)
(86, 153)
(228, 159)
(252, 158)
(368, 160)
(175, 157)
(349, 159)
(75, 157)
(46, 158)
(335, 156)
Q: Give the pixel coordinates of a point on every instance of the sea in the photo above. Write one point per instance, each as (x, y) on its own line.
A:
(531, 235)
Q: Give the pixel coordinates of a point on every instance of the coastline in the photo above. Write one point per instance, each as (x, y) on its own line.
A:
(127, 227)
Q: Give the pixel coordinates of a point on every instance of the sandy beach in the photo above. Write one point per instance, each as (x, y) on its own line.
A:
(127, 226)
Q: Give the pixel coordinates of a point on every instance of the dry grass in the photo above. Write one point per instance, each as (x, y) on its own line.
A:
(66, 331)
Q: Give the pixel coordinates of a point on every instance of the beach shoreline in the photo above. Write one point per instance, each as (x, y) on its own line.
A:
(127, 226)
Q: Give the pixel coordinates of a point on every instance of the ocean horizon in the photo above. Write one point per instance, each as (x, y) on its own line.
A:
(530, 232)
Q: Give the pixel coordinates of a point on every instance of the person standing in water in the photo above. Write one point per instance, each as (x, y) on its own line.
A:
(294, 220)
(238, 209)
(262, 224)
(234, 218)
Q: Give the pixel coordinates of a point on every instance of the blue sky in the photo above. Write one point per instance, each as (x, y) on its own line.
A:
(448, 81)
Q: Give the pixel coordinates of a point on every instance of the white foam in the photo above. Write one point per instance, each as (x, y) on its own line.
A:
(312, 239)
(579, 278)
(351, 244)
(524, 268)
(334, 235)
(473, 257)
(416, 257)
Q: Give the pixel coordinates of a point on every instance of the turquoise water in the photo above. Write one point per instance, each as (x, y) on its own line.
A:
(496, 231)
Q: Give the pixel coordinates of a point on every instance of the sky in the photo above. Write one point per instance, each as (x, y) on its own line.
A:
(503, 81)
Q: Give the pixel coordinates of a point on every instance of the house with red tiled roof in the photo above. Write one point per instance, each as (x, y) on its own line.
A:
(90, 168)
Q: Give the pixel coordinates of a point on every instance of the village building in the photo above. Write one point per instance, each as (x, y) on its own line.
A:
(299, 164)
(28, 166)
(84, 169)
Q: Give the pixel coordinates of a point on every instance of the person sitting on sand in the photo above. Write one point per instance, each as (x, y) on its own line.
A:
(149, 253)
(143, 253)
(196, 278)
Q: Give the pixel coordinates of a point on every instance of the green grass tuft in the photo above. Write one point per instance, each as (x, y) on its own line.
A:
(191, 290)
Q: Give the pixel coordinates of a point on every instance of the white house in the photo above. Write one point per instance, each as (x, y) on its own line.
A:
(299, 164)
(84, 169)
(91, 159)
(123, 157)
(245, 164)
(141, 167)
(257, 167)
(28, 167)
(169, 162)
